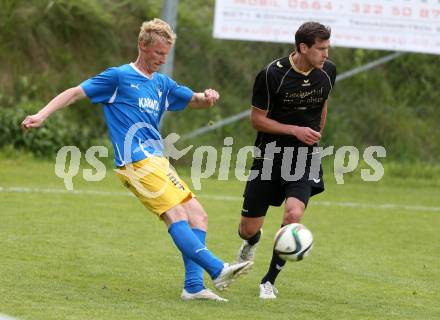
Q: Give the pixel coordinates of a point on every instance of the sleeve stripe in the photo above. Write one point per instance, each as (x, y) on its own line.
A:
(329, 80)
(112, 99)
(267, 84)
(282, 80)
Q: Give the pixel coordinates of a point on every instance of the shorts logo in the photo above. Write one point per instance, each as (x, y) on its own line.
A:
(317, 180)
(175, 181)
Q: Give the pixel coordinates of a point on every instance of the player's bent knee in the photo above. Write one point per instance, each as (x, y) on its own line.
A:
(201, 217)
(197, 216)
(293, 215)
(174, 214)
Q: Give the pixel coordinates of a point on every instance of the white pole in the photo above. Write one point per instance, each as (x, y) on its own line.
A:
(169, 14)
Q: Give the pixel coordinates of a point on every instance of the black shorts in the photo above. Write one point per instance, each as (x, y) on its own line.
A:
(262, 192)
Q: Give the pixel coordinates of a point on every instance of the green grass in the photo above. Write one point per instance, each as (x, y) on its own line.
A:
(102, 256)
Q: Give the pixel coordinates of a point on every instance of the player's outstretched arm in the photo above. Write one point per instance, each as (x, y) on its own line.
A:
(60, 101)
(204, 100)
(262, 123)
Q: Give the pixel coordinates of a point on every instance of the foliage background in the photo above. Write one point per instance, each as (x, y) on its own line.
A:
(48, 46)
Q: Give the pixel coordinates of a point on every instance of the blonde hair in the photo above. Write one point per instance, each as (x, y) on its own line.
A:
(154, 30)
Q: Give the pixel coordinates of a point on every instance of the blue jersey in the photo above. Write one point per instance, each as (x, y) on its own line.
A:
(133, 105)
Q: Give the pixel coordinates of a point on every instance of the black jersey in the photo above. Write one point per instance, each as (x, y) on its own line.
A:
(291, 97)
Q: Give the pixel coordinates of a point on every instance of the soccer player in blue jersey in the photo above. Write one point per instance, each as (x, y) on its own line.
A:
(134, 98)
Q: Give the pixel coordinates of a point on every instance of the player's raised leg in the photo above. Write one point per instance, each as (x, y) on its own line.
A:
(198, 221)
(193, 287)
(223, 274)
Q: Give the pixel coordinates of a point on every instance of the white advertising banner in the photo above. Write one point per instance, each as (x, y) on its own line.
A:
(399, 25)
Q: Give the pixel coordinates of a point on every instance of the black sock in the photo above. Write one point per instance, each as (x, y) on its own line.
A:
(274, 269)
(255, 238)
(276, 264)
(252, 240)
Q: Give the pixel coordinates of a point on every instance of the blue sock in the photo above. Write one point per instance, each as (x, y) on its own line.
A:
(191, 247)
(193, 272)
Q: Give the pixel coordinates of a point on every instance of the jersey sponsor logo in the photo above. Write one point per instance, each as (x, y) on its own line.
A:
(304, 99)
(136, 86)
(148, 104)
(305, 94)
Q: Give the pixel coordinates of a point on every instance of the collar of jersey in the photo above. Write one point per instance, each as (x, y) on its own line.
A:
(305, 73)
(140, 72)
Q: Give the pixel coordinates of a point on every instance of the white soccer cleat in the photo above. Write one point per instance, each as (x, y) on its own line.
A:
(268, 291)
(230, 272)
(247, 251)
(205, 294)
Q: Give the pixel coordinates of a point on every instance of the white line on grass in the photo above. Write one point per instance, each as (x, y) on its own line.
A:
(5, 317)
(222, 198)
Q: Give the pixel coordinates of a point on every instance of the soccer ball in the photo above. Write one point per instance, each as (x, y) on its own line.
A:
(293, 242)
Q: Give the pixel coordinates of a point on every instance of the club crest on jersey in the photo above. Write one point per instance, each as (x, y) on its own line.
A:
(306, 83)
(159, 93)
(148, 105)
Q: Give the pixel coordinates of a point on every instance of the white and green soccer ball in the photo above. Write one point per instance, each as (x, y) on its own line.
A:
(293, 242)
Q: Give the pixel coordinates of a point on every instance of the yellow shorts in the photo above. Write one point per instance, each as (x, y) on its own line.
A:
(155, 184)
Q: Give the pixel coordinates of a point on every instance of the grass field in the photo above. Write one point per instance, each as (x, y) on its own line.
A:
(97, 254)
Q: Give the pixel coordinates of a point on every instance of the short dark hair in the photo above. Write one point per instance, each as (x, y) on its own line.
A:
(310, 31)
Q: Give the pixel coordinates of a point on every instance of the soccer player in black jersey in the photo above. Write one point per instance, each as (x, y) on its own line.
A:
(289, 109)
